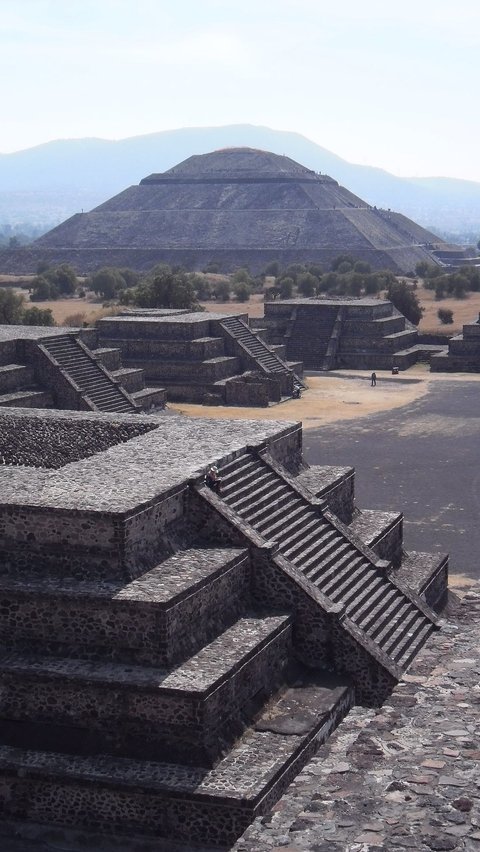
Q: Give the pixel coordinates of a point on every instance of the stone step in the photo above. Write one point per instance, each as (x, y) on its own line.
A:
(276, 523)
(161, 618)
(321, 560)
(351, 575)
(272, 522)
(109, 357)
(241, 477)
(263, 510)
(407, 640)
(379, 600)
(130, 378)
(150, 397)
(256, 481)
(15, 377)
(291, 539)
(165, 800)
(406, 650)
(396, 620)
(26, 399)
(253, 509)
(312, 546)
(361, 590)
(190, 713)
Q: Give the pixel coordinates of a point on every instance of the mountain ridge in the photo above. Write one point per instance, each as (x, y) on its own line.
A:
(55, 179)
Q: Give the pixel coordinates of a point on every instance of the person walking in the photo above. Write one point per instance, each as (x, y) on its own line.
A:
(373, 382)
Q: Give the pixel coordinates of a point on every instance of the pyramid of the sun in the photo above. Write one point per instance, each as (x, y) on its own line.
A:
(235, 207)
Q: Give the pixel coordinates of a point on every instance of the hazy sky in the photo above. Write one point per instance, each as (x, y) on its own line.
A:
(391, 84)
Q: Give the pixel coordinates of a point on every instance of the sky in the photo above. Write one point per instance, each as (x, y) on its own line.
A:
(381, 83)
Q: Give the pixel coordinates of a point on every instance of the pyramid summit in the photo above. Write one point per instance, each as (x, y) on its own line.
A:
(235, 207)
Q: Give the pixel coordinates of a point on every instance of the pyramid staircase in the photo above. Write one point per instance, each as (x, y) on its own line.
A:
(165, 706)
(328, 556)
(310, 335)
(265, 358)
(97, 387)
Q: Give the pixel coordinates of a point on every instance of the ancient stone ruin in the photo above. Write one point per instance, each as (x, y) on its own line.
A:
(235, 207)
(59, 368)
(202, 357)
(171, 656)
(199, 357)
(358, 334)
(463, 355)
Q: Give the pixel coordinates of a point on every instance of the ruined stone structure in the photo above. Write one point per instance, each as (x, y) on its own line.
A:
(237, 207)
(58, 368)
(463, 355)
(172, 657)
(359, 334)
(202, 357)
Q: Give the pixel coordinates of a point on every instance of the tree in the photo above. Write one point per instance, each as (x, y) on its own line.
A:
(342, 258)
(307, 284)
(37, 316)
(202, 287)
(285, 286)
(242, 291)
(362, 267)
(222, 289)
(272, 269)
(241, 275)
(405, 300)
(11, 307)
(64, 278)
(43, 289)
(167, 289)
(445, 316)
(107, 282)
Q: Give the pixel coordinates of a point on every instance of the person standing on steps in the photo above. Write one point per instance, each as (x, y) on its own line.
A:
(373, 378)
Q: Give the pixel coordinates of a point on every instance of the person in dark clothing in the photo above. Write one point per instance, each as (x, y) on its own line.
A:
(213, 480)
(373, 380)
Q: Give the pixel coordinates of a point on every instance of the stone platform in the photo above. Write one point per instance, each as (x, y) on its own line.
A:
(172, 657)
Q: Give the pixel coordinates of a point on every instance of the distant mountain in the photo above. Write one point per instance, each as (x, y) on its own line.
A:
(48, 183)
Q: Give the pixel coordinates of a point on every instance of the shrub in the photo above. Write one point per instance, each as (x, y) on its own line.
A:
(37, 316)
(445, 316)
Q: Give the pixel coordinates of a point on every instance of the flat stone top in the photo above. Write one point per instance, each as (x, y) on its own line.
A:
(32, 332)
(134, 473)
(340, 302)
(166, 316)
(319, 477)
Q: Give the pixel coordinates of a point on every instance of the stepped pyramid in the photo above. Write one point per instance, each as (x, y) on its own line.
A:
(172, 657)
(236, 207)
(58, 368)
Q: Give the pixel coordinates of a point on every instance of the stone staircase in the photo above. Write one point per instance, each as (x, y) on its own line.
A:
(96, 385)
(310, 334)
(263, 355)
(160, 706)
(341, 568)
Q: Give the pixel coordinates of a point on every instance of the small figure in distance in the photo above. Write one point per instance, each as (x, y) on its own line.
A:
(394, 371)
(213, 480)
(373, 380)
(296, 393)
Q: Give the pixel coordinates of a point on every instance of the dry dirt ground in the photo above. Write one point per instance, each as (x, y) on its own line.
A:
(464, 311)
(345, 395)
